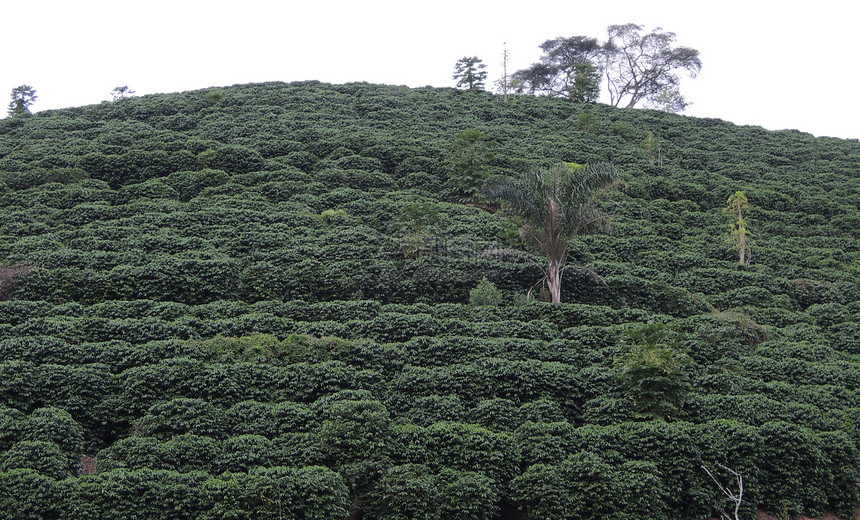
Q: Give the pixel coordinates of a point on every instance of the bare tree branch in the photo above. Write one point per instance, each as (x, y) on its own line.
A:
(736, 498)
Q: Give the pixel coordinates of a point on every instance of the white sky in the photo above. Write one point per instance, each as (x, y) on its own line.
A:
(776, 64)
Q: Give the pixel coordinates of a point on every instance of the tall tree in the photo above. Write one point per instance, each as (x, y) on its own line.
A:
(642, 66)
(569, 67)
(469, 72)
(22, 98)
(552, 206)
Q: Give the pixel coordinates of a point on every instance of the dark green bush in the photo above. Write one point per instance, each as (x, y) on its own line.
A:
(426, 410)
(243, 452)
(184, 415)
(189, 452)
(408, 492)
(352, 427)
(495, 414)
(11, 421)
(43, 456)
(585, 485)
(545, 442)
(467, 495)
(786, 447)
(129, 494)
(189, 184)
(231, 158)
(131, 453)
(51, 424)
(311, 492)
(26, 494)
(467, 447)
(39, 349)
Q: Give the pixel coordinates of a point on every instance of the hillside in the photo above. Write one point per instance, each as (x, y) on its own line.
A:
(254, 300)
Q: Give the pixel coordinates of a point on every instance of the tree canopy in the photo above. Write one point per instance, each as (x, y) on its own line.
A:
(570, 67)
(642, 66)
(637, 67)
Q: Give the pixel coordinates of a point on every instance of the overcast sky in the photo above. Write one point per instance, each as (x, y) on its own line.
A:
(775, 64)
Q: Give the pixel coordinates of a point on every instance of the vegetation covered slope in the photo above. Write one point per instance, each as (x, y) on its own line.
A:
(254, 300)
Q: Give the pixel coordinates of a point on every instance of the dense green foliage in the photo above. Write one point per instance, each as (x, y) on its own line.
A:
(254, 302)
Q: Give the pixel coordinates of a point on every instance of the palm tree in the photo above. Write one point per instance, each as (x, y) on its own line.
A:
(551, 207)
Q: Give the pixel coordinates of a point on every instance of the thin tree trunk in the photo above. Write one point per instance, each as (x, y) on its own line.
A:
(553, 280)
(742, 236)
(505, 69)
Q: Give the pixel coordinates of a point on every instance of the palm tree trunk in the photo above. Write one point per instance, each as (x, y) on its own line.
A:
(553, 280)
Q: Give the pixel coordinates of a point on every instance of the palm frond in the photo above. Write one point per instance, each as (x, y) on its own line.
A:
(518, 192)
(557, 198)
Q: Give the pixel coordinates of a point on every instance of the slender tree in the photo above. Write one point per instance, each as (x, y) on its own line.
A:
(22, 98)
(552, 206)
(737, 204)
(504, 82)
(469, 72)
(652, 149)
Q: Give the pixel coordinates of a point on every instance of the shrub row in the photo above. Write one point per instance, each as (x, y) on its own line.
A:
(387, 328)
(541, 468)
(562, 316)
(307, 492)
